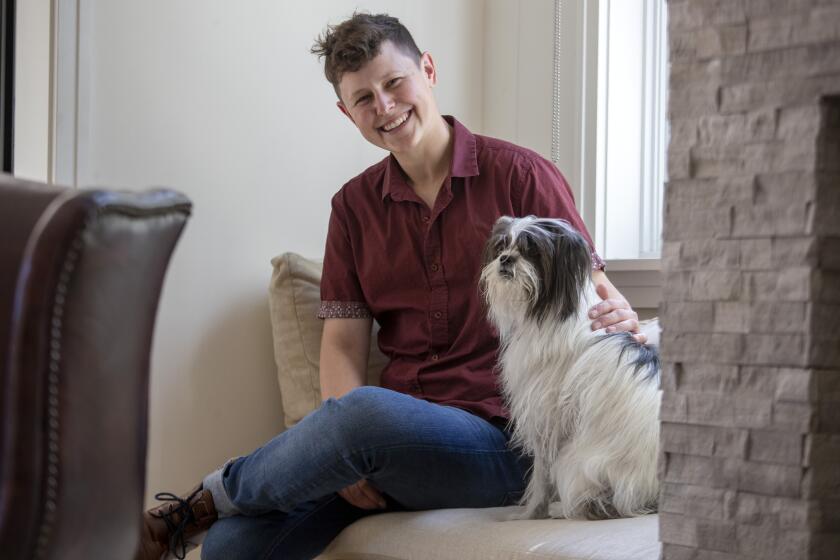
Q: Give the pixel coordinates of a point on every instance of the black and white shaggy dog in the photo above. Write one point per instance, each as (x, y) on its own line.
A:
(585, 404)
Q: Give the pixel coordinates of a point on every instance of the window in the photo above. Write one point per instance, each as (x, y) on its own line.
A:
(622, 124)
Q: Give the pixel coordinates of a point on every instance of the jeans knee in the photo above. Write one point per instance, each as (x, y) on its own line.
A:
(358, 405)
(364, 416)
(366, 396)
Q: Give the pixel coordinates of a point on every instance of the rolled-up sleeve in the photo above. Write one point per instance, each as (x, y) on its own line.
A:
(545, 193)
(341, 292)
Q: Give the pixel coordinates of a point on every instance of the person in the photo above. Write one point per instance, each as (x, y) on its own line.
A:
(404, 247)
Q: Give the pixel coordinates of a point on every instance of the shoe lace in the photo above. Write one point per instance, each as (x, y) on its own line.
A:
(177, 542)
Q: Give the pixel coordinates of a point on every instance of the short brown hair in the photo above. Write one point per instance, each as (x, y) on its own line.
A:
(348, 46)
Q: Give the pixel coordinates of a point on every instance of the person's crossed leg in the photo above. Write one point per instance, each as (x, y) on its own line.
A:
(280, 501)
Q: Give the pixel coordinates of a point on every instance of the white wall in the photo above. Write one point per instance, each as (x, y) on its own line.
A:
(224, 102)
(32, 86)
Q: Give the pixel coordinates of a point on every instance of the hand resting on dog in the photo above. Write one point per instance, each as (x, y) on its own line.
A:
(614, 314)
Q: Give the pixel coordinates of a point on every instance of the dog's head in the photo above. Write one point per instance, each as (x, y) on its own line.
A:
(534, 269)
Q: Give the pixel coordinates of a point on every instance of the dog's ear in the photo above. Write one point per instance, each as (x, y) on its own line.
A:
(571, 269)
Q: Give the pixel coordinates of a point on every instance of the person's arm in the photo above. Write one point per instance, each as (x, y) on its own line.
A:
(614, 313)
(345, 341)
(344, 354)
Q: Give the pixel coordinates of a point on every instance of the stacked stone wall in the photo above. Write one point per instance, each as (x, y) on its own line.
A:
(750, 461)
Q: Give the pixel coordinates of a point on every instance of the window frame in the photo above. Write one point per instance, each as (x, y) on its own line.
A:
(581, 29)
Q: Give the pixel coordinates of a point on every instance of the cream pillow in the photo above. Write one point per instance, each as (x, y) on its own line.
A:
(294, 298)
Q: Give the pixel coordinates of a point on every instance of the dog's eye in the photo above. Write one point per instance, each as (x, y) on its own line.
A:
(499, 246)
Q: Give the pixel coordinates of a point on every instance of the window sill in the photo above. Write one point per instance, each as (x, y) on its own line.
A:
(626, 265)
(638, 280)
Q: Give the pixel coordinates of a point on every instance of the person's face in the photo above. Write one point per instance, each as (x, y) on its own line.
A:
(390, 99)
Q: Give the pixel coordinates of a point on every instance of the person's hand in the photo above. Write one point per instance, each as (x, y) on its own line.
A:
(363, 495)
(615, 315)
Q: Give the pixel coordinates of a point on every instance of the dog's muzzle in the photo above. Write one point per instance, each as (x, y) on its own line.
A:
(506, 263)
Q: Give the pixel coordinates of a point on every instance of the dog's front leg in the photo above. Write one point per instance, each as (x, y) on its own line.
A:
(537, 494)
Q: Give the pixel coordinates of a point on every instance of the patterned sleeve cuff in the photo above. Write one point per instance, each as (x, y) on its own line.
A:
(597, 262)
(343, 310)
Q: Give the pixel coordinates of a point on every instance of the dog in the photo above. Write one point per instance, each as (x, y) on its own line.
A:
(584, 404)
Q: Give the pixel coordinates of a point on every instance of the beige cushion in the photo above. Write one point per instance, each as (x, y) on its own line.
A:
(485, 534)
(294, 298)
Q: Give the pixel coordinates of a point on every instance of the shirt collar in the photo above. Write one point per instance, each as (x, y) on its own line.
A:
(464, 161)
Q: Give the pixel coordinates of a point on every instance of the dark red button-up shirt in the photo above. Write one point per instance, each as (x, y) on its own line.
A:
(416, 270)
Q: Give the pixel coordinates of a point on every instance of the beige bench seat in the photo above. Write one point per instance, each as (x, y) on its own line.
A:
(485, 534)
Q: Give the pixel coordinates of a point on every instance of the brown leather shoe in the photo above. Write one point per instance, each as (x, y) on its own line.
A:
(168, 527)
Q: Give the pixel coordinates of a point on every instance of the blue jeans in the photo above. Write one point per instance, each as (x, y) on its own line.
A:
(280, 502)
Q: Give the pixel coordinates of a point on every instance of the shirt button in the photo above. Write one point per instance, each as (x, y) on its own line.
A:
(426, 219)
(435, 268)
(435, 357)
(437, 314)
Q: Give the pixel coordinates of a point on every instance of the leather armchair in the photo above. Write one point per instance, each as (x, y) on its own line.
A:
(80, 278)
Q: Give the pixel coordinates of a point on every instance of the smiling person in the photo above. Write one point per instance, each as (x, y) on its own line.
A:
(404, 247)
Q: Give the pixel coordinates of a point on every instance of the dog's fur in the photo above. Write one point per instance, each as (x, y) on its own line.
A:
(584, 404)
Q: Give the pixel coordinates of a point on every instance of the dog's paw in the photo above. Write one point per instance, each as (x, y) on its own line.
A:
(555, 510)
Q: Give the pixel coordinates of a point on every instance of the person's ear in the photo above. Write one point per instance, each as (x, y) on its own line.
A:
(344, 110)
(427, 67)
